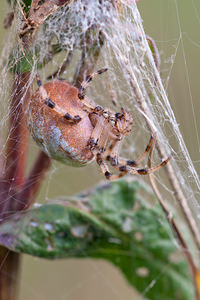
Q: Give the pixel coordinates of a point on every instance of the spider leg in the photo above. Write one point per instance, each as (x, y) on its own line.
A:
(125, 165)
(88, 105)
(97, 144)
(113, 152)
(151, 169)
(105, 170)
(52, 105)
(62, 112)
(85, 83)
(104, 167)
(99, 136)
(39, 83)
(144, 171)
(148, 147)
(149, 163)
(120, 166)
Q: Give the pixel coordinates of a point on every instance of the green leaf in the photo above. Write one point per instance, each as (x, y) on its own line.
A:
(22, 62)
(26, 6)
(110, 222)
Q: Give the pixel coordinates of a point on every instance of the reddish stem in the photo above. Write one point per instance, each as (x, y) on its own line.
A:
(16, 192)
(16, 147)
(27, 194)
(9, 269)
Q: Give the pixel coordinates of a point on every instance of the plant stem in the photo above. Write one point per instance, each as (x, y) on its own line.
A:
(12, 179)
(33, 182)
(16, 147)
(9, 269)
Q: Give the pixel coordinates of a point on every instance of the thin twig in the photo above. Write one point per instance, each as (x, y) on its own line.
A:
(194, 271)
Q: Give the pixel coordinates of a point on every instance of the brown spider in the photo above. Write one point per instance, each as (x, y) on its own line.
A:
(70, 128)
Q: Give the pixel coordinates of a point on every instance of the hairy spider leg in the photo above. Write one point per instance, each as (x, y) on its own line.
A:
(146, 171)
(148, 147)
(99, 150)
(55, 107)
(149, 163)
(151, 169)
(88, 79)
(122, 164)
(99, 135)
(90, 107)
(105, 170)
(113, 152)
(97, 143)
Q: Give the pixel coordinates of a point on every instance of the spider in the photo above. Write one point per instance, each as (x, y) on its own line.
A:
(71, 128)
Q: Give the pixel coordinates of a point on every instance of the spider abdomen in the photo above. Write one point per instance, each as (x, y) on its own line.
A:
(49, 113)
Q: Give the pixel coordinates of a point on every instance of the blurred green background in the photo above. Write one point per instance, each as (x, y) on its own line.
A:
(175, 27)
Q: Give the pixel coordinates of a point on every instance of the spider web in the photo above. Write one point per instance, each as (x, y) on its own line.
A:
(125, 45)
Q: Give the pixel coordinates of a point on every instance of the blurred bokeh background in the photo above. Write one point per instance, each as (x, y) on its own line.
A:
(175, 27)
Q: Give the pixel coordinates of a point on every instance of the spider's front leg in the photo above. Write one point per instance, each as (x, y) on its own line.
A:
(89, 106)
(97, 144)
(88, 79)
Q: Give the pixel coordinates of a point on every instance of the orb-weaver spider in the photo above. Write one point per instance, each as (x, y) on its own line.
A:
(70, 128)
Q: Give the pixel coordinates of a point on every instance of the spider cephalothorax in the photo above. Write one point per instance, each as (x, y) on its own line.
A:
(70, 128)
